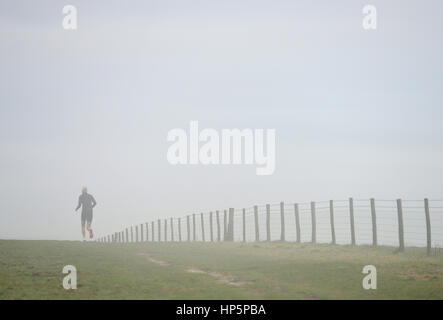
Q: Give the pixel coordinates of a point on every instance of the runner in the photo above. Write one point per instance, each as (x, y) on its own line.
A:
(87, 202)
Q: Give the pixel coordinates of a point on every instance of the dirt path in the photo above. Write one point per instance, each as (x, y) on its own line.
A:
(150, 258)
(220, 277)
(224, 279)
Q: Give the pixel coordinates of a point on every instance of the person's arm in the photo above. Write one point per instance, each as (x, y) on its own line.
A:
(79, 204)
(94, 203)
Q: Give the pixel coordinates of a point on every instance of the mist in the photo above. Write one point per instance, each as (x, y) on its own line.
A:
(356, 113)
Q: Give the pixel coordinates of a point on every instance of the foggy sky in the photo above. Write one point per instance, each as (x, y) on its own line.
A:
(357, 113)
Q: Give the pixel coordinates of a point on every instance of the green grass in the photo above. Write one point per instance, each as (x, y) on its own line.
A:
(33, 270)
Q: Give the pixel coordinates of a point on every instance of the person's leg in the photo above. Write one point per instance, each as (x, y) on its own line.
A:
(83, 224)
(83, 230)
(91, 233)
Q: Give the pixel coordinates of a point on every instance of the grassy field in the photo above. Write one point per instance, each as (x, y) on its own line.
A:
(33, 270)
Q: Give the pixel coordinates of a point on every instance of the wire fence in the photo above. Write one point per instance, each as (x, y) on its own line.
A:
(402, 223)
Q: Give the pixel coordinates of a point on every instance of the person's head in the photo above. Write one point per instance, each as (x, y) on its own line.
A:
(84, 190)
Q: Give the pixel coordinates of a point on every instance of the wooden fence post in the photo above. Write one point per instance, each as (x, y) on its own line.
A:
(331, 219)
(218, 225)
(203, 226)
(141, 232)
(193, 227)
(159, 227)
(147, 232)
(244, 224)
(211, 229)
(351, 219)
(132, 234)
(180, 229)
(401, 239)
(374, 223)
(152, 231)
(268, 222)
(297, 222)
(313, 223)
(231, 225)
(172, 229)
(282, 221)
(166, 230)
(257, 232)
(225, 228)
(400, 226)
(428, 227)
(188, 224)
